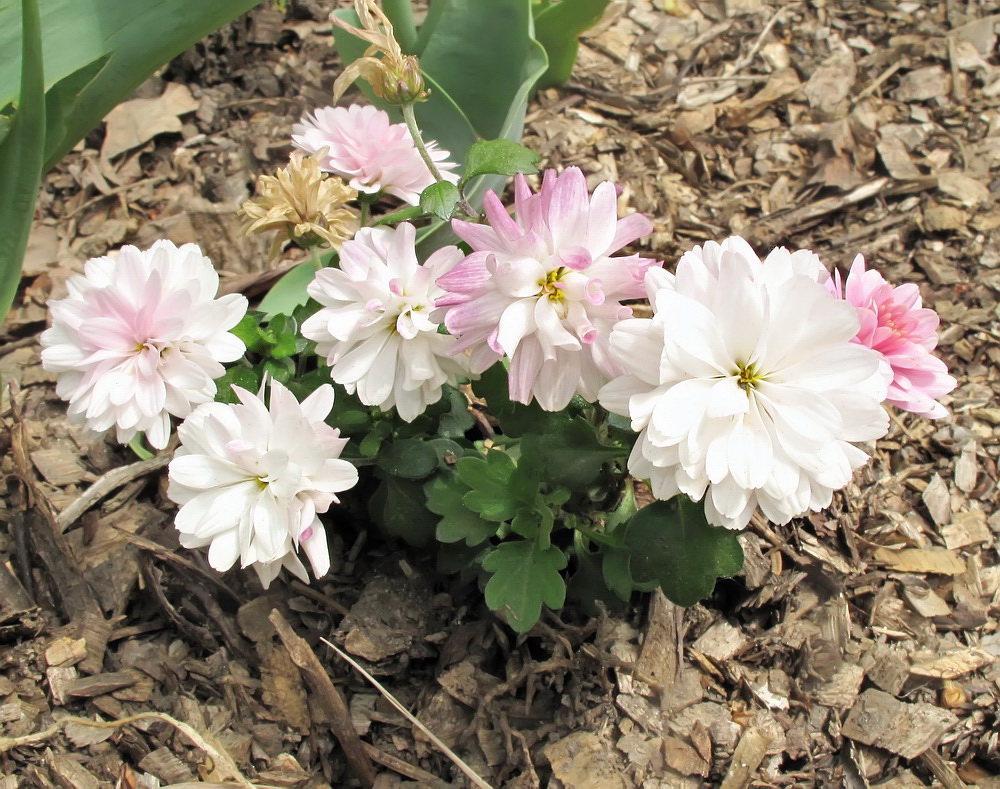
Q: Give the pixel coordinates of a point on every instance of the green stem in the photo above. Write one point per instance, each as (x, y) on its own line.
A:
(594, 536)
(418, 140)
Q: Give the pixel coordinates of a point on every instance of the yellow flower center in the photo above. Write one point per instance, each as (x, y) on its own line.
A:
(749, 377)
(552, 284)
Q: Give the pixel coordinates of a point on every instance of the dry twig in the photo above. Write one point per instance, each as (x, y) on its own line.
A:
(466, 770)
(328, 696)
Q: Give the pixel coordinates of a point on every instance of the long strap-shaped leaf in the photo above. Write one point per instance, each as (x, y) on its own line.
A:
(21, 156)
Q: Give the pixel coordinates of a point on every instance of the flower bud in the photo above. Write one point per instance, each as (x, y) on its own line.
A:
(400, 81)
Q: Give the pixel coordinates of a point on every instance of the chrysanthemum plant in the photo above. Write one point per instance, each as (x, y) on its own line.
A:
(495, 398)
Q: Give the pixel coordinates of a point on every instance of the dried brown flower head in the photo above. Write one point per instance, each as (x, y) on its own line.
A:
(394, 77)
(303, 204)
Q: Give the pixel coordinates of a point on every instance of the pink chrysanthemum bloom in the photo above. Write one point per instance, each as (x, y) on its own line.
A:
(375, 329)
(252, 481)
(140, 338)
(543, 289)
(745, 386)
(372, 154)
(894, 324)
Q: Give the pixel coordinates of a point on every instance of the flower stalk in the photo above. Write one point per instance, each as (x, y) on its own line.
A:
(418, 140)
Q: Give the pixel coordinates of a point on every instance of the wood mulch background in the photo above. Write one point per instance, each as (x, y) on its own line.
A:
(859, 646)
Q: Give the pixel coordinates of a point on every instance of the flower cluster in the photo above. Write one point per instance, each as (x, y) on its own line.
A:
(376, 329)
(360, 144)
(750, 386)
(252, 480)
(745, 386)
(141, 338)
(544, 288)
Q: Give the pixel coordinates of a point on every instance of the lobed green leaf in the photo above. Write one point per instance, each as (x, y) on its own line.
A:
(525, 577)
(458, 523)
(489, 482)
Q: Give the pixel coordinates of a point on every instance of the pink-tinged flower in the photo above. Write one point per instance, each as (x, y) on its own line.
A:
(141, 338)
(375, 329)
(543, 289)
(745, 385)
(372, 154)
(894, 324)
(252, 481)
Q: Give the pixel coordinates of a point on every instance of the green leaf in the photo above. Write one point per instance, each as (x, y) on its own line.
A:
(489, 482)
(448, 452)
(136, 38)
(587, 585)
(615, 572)
(283, 334)
(525, 577)
(439, 199)
(499, 157)
(61, 100)
(458, 523)
(238, 376)
(399, 506)
(477, 56)
(515, 419)
(574, 456)
(289, 292)
(457, 557)
(248, 330)
(409, 458)
(372, 443)
(281, 370)
(457, 420)
(400, 13)
(557, 28)
(21, 152)
(673, 544)
(138, 446)
(349, 414)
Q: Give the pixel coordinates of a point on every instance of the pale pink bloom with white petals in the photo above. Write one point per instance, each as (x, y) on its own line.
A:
(372, 154)
(252, 481)
(896, 325)
(745, 385)
(140, 338)
(543, 288)
(376, 329)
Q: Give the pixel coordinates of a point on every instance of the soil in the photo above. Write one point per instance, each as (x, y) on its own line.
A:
(857, 648)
